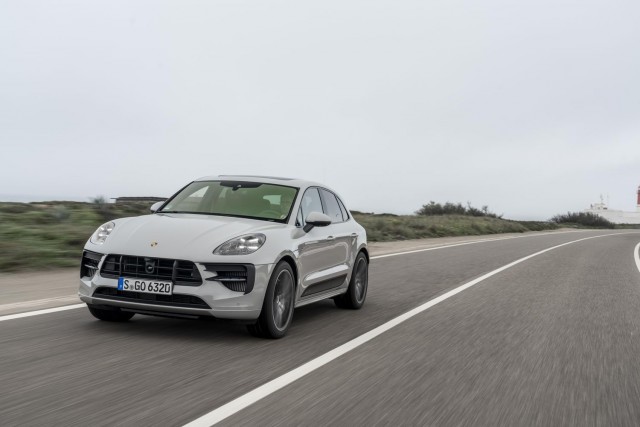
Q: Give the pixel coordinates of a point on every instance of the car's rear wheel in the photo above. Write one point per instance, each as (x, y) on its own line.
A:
(277, 309)
(115, 315)
(358, 285)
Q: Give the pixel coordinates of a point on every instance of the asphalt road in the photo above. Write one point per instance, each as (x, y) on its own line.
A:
(553, 340)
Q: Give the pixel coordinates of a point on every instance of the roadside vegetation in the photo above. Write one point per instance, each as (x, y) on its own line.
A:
(583, 219)
(388, 227)
(48, 235)
(440, 220)
(449, 208)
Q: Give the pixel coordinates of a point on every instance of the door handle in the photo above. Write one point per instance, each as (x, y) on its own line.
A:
(330, 238)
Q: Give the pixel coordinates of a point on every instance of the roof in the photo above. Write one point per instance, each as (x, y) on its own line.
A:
(293, 182)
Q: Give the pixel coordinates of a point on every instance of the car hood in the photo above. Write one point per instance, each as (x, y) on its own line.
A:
(180, 236)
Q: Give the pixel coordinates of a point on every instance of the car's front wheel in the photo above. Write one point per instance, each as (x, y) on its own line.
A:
(115, 315)
(277, 309)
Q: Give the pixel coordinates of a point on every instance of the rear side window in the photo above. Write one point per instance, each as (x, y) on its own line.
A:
(345, 214)
(332, 206)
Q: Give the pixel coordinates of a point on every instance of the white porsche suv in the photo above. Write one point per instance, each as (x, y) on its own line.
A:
(235, 247)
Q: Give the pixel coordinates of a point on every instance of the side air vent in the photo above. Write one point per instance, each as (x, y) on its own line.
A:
(236, 277)
(89, 265)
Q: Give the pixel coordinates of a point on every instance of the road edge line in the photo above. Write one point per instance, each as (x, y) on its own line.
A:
(38, 312)
(471, 242)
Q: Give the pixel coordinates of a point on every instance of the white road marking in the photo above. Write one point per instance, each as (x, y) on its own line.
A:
(276, 384)
(469, 242)
(68, 299)
(636, 255)
(39, 312)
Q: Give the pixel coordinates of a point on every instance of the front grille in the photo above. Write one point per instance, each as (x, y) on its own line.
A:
(175, 300)
(236, 277)
(89, 264)
(183, 273)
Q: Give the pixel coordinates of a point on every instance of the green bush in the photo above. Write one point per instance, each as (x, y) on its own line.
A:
(433, 208)
(585, 219)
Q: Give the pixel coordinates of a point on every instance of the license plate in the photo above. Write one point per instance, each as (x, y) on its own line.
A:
(145, 286)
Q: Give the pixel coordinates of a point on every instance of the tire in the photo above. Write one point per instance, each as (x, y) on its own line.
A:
(357, 292)
(116, 315)
(277, 308)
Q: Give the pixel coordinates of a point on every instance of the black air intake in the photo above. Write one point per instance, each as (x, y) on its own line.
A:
(89, 265)
(175, 300)
(236, 277)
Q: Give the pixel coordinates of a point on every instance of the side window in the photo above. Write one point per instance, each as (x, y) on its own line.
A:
(310, 203)
(333, 208)
(345, 213)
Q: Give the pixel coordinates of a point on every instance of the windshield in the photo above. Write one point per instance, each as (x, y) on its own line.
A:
(234, 198)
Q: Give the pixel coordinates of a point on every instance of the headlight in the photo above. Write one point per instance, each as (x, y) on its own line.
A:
(242, 245)
(102, 233)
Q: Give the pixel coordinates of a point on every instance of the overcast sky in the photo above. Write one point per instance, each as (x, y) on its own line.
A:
(530, 107)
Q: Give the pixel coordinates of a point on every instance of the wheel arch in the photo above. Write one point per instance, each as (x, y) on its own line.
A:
(366, 253)
(288, 258)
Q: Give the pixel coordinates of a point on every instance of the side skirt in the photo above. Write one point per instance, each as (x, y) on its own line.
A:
(325, 285)
(320, 296)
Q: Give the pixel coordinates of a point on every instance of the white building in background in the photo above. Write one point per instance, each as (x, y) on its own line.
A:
(617, 217)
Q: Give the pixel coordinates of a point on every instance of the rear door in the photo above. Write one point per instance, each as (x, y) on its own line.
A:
(342, 237)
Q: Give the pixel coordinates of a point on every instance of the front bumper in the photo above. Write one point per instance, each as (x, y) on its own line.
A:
(219, 301)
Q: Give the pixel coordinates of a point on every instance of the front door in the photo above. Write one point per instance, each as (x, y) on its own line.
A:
(324, 252)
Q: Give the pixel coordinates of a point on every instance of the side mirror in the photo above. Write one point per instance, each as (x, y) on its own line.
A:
(154, 207)
(316, 219)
